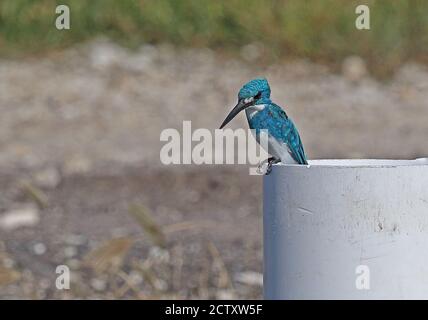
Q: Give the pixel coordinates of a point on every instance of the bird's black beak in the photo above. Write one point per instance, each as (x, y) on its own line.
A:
(238, 108)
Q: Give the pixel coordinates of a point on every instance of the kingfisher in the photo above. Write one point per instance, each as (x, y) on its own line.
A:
(284, 144)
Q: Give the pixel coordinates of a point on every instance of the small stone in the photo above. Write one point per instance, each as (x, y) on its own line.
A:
(135, 278)
(39, 249)
(24, 217)
(225, 295)
(159, 254)
(251, 278)
(98, 284)
(104, 54)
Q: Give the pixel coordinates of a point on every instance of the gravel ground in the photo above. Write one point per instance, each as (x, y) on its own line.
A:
(81, 183)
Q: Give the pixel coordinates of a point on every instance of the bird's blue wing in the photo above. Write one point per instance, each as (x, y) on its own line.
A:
(281, 128)
(289, 135)
(296, 148)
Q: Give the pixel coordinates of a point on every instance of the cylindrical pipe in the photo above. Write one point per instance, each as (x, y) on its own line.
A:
(346, 229)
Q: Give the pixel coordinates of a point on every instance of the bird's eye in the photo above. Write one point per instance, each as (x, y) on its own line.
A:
(257, 96)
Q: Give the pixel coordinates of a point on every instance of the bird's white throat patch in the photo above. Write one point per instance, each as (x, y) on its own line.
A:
(248, 100)
(251, 111)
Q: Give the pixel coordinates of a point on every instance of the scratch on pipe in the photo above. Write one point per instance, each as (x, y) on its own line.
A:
(305, 210)
(373, 257)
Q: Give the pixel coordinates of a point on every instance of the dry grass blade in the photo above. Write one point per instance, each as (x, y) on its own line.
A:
(224, 277)
(178, 262)
(145, 220)
(37, 195)
(151, 278)
(8, 276)
(109, 256)
(128, 285)
(204, 279)
(188, 225)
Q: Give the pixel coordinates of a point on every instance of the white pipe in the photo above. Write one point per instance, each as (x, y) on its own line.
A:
(346, 229)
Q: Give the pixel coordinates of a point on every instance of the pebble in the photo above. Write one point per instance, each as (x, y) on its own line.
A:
(104, 54)
(225, 295)
(158, 254)
(251, 278)
(98, 284)
(39, 248)
(135, 277)
(23, 217)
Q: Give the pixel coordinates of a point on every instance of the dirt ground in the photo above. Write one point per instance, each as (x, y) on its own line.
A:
(79, 164)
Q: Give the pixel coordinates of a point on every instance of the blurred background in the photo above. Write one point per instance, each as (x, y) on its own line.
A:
(81, 112)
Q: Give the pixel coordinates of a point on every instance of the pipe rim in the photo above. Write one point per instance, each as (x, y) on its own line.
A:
(360, 163)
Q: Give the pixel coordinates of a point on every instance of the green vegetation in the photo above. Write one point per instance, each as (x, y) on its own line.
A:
(320, 30)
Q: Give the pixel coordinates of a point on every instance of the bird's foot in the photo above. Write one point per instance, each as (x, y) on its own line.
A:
(271, 161)
(268, 164)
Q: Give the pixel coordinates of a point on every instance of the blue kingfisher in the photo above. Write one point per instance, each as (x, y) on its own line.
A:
(284, 144)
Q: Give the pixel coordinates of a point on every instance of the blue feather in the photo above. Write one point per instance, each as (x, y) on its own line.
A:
(279, 126)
